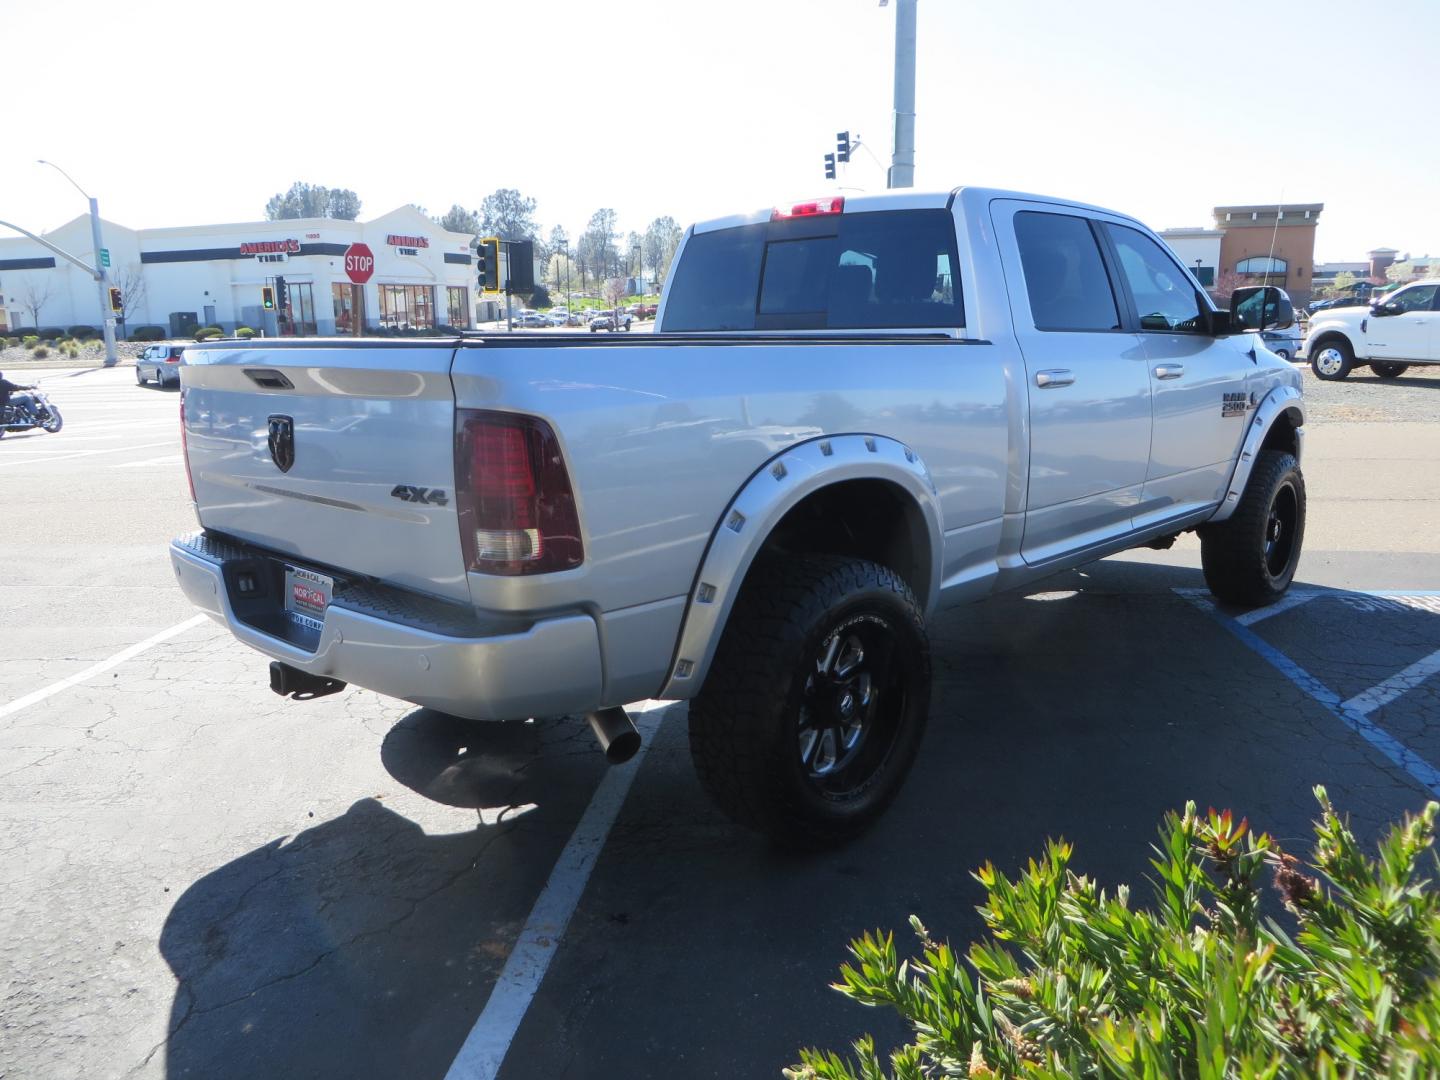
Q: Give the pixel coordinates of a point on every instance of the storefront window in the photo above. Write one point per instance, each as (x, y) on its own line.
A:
(458, 314)
(407, 307)
(298, 318)
(342, 295)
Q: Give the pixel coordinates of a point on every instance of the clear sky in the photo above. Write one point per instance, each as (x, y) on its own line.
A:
(192, 113)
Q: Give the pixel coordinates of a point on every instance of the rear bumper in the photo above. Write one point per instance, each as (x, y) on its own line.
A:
(412, 647)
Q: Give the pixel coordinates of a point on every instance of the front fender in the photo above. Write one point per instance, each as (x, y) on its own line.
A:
(760, 505)
(1281, 400)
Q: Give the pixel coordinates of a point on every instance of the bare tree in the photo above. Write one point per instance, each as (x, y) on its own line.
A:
(131, 284)
(34, 295)
(614, 291)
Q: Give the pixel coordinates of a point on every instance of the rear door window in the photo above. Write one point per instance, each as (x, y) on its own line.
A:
(1065, 276)
(883, 270)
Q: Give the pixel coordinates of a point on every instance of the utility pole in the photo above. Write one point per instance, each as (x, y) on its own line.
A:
(902, 159)
(102, 278)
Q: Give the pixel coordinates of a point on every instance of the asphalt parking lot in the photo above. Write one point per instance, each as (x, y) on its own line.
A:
(204, 880)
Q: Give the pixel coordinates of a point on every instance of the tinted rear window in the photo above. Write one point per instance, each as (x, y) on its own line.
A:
(886, 270)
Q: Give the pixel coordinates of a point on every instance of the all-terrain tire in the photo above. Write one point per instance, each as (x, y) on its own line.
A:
(1250, 558)
(772, 715)
(1388, 369)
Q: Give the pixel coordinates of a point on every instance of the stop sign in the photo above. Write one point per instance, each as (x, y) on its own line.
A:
(359, 263)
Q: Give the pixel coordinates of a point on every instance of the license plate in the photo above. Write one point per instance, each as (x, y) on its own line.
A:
(307, 595)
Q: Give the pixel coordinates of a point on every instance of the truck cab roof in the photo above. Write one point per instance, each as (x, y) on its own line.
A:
(904, 200)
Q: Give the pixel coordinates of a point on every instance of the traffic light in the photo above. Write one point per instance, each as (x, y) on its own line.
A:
(842, 146)
(267, 298)
(115, 301)
(282, 293)
(487, 264)
(829, 166)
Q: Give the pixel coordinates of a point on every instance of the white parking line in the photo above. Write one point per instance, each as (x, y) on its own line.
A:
(484, 1049)
(104, 665)
(168, 459)
(1387, 691)
(1292, 599)
(46, 459)
(1421, 771)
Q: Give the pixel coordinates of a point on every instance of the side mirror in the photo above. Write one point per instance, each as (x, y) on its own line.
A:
(1381, 309)
(1260, 307)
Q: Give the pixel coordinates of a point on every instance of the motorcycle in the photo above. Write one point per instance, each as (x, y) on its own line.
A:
(38, 414)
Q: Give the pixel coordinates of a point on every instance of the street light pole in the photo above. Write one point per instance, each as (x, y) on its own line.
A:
(902, 159)
(102, 278)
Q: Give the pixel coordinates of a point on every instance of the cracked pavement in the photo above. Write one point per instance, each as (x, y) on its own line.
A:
(201, 879)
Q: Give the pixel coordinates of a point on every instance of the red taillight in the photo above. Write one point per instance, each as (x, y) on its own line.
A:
(814, 208)
(513, 494)
(185, 448)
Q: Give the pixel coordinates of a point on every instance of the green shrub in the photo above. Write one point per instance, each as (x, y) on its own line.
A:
(50, 333)
(29, 341)
(205, 333)
(1075, 982)
(12, 342)
(40, 352)
(83, 332)
(148, 333)
(244, 333)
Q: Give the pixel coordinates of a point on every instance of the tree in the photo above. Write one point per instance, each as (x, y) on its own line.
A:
(343, 205)
(1226, 282)
(1401, 271)
(420, 209)
(614, 291)
(131, 284)
(1342, 283)
(661, 239)
(509, 215)
(596, 249)
(34, 295)
(559, 270)
(540, 297)
(313, 201)
(458, 219)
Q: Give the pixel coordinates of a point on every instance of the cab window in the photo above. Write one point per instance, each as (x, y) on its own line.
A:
(1164, 297)
(1418, 298)
(1065, 277)
(856, 271)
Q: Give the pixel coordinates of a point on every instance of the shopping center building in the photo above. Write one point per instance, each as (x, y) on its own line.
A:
(421, 277)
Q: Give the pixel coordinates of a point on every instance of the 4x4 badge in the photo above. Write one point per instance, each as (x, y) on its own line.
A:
(282, 442)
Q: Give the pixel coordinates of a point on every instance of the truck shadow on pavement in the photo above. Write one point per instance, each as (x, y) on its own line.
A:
(1085, 707)
(363, 946)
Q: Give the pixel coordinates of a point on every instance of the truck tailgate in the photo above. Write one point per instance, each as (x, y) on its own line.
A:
(342, 457)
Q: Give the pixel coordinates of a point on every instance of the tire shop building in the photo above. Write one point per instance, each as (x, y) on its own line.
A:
(399, 271)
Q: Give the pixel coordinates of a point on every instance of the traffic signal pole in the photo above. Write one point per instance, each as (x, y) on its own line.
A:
(902, 160)
(102, 279)
(97, 272)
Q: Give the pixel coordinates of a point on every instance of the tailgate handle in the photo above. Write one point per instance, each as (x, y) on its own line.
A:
(269, 379)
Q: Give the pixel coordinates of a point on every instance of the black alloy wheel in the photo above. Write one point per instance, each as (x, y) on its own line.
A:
(1251, 558)
(815, 705)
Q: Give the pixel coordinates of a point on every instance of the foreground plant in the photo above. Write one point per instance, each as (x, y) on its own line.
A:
(1074, 982)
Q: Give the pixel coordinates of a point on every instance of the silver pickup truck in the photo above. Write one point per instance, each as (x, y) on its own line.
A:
(854, 412)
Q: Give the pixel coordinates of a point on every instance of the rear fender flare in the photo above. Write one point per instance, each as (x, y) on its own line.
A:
(780, 485)
(1280, 401)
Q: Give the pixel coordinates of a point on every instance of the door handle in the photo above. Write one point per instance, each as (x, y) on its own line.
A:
(1169, 371)
(1048, 380)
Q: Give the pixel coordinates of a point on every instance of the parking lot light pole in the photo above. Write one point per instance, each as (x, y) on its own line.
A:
(102, 278)
(902, 159)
